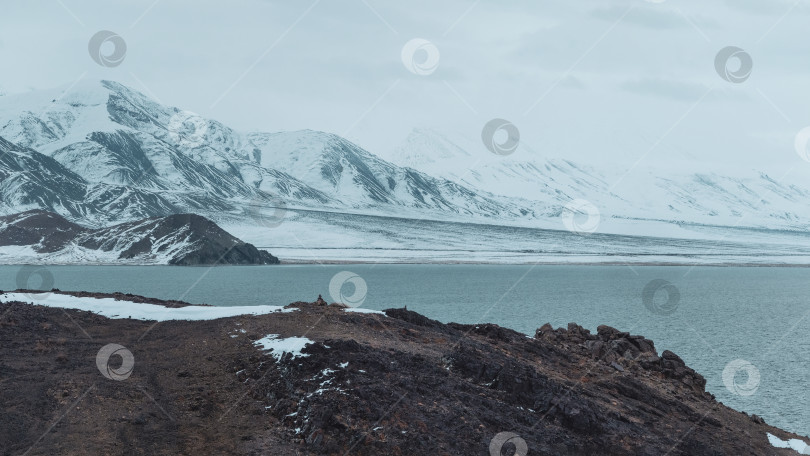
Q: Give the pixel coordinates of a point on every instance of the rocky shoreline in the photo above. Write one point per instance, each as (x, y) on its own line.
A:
(321, 379)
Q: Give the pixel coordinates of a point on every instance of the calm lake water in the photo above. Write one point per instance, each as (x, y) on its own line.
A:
(711, 317)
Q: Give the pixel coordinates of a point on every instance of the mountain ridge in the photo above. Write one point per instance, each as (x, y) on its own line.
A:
(102, 153)
(110, 134)
(677, 189)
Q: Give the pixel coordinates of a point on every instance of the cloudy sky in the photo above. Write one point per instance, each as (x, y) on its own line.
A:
(596, 81)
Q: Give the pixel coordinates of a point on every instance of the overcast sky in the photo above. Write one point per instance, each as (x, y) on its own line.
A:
(591, 80)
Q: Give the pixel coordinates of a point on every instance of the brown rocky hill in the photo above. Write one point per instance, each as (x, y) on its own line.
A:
(367, 384)
(180, 239)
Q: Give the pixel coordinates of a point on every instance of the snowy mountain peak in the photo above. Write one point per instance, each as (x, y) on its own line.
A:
(424, 146)
(361, 179)
(98, 151)
(119, 140)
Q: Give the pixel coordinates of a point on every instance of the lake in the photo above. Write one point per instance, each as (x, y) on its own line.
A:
(749, 322)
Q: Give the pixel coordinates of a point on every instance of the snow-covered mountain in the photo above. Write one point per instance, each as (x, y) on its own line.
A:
(108, 134)
(672, 189)
(30, 180)
(552, 182)
(359, 178)
(745, 197)
(180, 239)
(100, 153)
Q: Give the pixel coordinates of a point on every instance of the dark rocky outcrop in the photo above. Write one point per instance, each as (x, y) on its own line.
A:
(368, 384)
(47, 231)
(180, 239)
(621, 350)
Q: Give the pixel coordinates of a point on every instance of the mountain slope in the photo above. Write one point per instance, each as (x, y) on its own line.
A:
(101, 153)
(674, 189)
(180, 239)
(109, 134)
(30, 179)
(360, 178)
(551, 182)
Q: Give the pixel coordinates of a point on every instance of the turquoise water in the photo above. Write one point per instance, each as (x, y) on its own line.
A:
(710, 317)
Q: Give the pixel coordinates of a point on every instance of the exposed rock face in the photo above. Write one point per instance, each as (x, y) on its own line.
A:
(620, 349)
(212, 244)
(47, 231)
(365, 384)
(181, 239)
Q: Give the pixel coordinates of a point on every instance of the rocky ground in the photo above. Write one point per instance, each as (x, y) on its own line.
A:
(368, 384)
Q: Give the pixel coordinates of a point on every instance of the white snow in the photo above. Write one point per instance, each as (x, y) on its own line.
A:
(671, 188)
(119, 239)
(794, 444)
(111, 308)
(326, 238)
(674, 196)
(279, 347)
(327, 371)
(17, 254)
(363, 311)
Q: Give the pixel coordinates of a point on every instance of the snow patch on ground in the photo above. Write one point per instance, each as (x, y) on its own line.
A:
(794, 444)
(17, 254)
(342, 238)
(279, 347)
(363, 311)
(111, 308)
